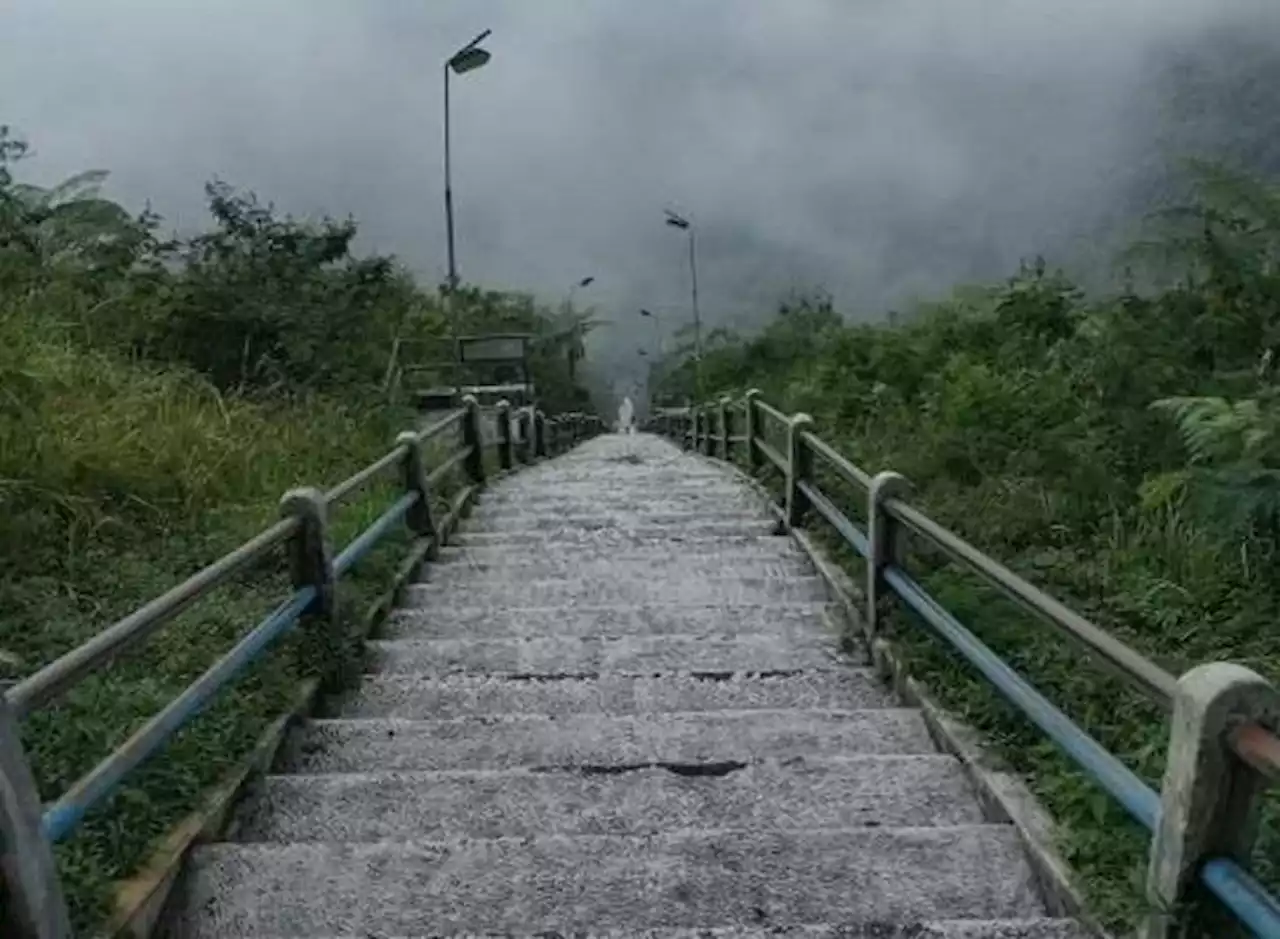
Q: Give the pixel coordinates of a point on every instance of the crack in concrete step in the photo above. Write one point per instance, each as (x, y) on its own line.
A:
(671, 653)
(418, 697)
(345, 745)
(644, 797)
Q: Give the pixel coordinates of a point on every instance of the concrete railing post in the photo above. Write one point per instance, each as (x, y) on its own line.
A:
(884, 543)
(539, 435)
(34, 907)
(310, 553)
(419, 519)
(1210, 798)
(751, 428)
(526, 435)
(695, 421)
(726, 427)
(311, 565)
(709, 435)
(506, 457)
(799, 468)
(473, 437)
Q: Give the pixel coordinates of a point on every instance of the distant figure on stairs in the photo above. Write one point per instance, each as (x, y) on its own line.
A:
(626, 417)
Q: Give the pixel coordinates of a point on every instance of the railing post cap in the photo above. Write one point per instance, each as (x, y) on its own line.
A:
(753, 393)
(1212, 680)
(503, 405)
(302, 494)
(801, 419)
(886, 484)
(470, 401)
(408, 438)
(726, 400)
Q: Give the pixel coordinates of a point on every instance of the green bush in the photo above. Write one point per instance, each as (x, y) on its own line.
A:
(1118, 451)
(157, 397)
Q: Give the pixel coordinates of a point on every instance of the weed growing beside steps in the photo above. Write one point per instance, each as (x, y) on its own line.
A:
(189, 476)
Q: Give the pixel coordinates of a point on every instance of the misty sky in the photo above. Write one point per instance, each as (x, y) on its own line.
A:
(877, 148)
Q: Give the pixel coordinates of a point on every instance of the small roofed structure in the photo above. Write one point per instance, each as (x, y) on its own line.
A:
(492, 367)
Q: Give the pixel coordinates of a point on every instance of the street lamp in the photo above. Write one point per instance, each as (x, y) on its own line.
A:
(585, 282)
(467, 59)
(682, 223)
(657, 328)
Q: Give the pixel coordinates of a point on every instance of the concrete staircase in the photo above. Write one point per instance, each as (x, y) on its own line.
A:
(615, 708)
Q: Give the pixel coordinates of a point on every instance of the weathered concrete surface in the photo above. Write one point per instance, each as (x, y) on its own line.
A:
(620, 591)
(415, 697)
(681, 879)
(936, 929)
(616, 709)
(661, 566)
(896, 791)
(346, 746)
(743, 652)
(790, 619)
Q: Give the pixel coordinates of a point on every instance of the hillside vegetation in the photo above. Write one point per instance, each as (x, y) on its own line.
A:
(1123, 452)
(157, 396)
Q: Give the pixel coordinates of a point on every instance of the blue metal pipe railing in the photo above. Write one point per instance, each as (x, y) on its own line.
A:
(363, 543)
(1257, 746)
(61, 818)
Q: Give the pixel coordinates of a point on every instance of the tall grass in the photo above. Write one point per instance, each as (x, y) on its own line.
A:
(117, 481)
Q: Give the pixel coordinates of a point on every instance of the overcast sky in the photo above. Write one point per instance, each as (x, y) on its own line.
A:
(877, 148)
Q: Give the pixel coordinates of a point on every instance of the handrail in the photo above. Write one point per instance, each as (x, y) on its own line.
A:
(770, 454)
(303, 530)
(52, 681)
(835, 460)
(354, 483)
(1138, 799)
(62, 817)
(1149, 678)
(447, 467)
(443, 424)
(1174, 822)
(835, 518)
(363, 543)
(770, 411)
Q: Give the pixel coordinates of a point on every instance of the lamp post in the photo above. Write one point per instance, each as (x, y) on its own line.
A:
(682, 223)
(657, 329)
(576, 339)
(469, 58)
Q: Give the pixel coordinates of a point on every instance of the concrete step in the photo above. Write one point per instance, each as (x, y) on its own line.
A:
(621, 591)
(651, 566)
(915, 791)
(934, 929)
(665, 495)
(560, 884)
(801, 620)
(742, 652)
(728, 533)
(609, 514)
(422, 697)
(355, 746)
(588, 519)
(640, 555)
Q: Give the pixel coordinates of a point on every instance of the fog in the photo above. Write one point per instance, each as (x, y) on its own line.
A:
(880, 149)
